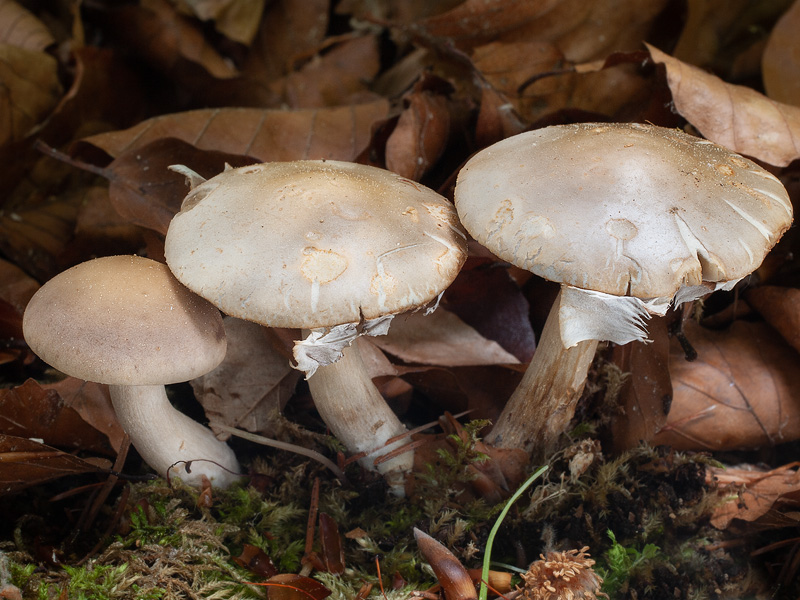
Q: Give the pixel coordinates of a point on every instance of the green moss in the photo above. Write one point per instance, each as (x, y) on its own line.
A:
(169, 544)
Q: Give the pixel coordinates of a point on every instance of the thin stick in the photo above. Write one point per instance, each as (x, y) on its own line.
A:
(312, 454)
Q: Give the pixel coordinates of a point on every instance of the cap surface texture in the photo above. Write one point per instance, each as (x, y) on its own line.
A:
(124, 320)
(625, 209)
(314, 244)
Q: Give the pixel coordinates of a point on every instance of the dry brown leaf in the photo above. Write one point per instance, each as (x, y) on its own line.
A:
(780, 307)
(30, 90)
(268, 135)
(420, 137)
(733, 116)
(717, 31)
(16, 286)
(482, 283)
(25, 462)
(105, 94)
(92, 401)
(442, 339)
(335, 78)
(375, 361)
(756, 492)
(295, 587)
(237, 20)
(646, 392)
(546, 82)
(251, 386)
(20, 28)
(101, 231)
(160, 35)
(36, 238)
(780, 63)
(143, 189)
(290, 29)
(740, 393)
(476, 20)
(396, 11)
(33, 411)
(582, 31)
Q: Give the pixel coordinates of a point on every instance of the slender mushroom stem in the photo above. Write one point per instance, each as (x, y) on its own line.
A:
(164, 436)
(543, 404)
(359, 417)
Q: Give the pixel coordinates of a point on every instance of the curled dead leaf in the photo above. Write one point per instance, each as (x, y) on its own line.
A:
(31, 88)
(440, 338)
(780, 63)
(25, 462)
(420, 136)
(755, 492)
(780, 307)
(238, 20)
(251, 386)
(155, 30)
(733, 116)
(19, 27)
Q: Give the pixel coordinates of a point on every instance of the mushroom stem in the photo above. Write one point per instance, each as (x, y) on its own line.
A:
(164, 436)
(543, 404)
(357, 414)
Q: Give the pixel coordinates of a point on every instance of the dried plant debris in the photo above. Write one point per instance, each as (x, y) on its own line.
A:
(566, 575)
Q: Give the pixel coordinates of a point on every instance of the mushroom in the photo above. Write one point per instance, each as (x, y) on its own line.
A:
(333, 248)
(127, 322)
(628, 218)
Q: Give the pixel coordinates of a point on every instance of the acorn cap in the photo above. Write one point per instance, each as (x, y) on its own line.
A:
(624, 209)
(311, 244)
(124, 320)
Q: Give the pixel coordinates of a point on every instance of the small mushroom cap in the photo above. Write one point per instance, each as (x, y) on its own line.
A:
(314, 244)
(124, 320)
(624, 209)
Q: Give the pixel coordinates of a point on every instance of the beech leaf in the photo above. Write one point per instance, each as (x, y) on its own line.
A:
(268, 135)
(157, 32)
(19, 27)
(238, 20)
(780, 63)
(740, 393)
(251, 386)
(733, 116)
(755, 492)
(440, 338)
(25, 462)
(32, 411)
(780, 307)
(30, 89)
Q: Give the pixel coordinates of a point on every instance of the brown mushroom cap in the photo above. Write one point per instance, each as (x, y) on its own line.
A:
(124, 320)
(312, 244)
(624, 209)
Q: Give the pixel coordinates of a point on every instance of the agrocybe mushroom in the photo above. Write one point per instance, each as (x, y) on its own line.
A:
(127, 322)
(628, 218)
(332, 248)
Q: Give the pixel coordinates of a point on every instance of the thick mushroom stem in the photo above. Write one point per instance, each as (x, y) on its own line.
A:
(358, 415)
(164, 436)
(543, 404)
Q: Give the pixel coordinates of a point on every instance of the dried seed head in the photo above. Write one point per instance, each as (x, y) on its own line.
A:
(564, 575)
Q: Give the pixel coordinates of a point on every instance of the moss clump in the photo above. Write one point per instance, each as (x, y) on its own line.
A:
(169, 543)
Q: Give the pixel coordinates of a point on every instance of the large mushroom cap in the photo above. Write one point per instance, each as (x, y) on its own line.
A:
(312, 244)
(124, 320)
(624, 209)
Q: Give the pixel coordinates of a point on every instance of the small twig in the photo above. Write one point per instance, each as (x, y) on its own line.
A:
(307, 452)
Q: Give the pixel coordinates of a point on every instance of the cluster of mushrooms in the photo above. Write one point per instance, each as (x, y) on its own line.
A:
(628, 218)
